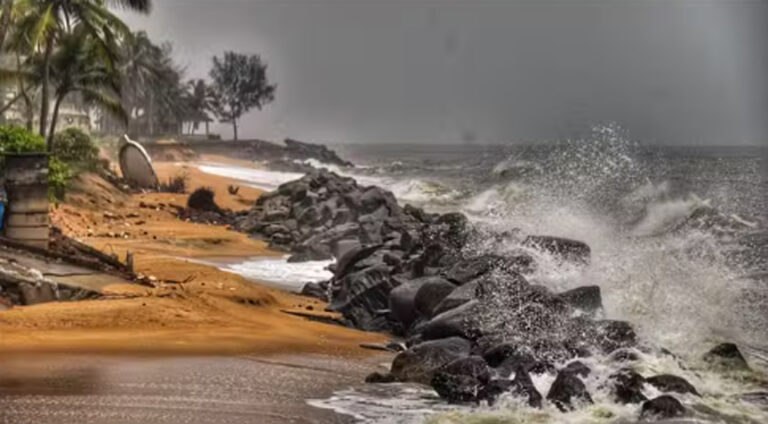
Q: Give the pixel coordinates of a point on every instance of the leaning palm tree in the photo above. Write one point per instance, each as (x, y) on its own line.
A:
(42, 23)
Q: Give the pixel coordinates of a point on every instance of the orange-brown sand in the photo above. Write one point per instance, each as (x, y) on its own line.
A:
(210, 312)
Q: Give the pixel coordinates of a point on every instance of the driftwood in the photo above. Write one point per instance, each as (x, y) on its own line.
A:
(317, 318)
(102, 257)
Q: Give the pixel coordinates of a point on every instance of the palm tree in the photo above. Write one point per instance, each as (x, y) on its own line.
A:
(198, 100)
(42, 23)
(75, 66)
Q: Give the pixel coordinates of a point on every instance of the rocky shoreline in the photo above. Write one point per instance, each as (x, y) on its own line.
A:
(471, 325)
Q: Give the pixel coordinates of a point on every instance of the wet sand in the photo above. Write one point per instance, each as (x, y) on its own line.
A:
(189, 390)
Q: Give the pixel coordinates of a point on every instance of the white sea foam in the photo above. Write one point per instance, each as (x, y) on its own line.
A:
(280, 272)
(259, 178)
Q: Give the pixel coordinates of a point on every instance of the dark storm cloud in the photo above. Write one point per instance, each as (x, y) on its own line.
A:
(684, 72)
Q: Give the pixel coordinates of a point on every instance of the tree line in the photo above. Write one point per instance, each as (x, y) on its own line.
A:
(81, 53)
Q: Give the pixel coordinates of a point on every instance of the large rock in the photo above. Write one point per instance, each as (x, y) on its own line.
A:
(671, 383)
(586, 298)
(360, 295)
(469, 269)
(320, 152)
(432, 291)
(727, 355)
(567, 391)
(461, 380)
(460, 321)
(459, 296)
(402, 302)
(662, 407)
(420, 362)
(626, 386)
(572, 250)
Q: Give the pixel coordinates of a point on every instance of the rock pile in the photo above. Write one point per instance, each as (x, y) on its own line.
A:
(475, 327)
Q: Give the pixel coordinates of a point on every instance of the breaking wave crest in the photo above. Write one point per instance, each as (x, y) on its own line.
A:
(666, 260)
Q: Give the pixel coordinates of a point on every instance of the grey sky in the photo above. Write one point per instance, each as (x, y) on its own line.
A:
(677, 71)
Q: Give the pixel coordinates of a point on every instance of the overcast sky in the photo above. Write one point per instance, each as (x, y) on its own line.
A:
(367, 71)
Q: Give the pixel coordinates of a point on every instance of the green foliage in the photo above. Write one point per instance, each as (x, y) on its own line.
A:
(59, 174)
(73, 146)
(14, 139)
(239, 84)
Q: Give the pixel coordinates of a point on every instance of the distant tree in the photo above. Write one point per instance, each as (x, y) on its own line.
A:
(239, 83)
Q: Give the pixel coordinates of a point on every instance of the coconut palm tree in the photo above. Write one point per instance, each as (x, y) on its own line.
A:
(43, 23)
(75, 66)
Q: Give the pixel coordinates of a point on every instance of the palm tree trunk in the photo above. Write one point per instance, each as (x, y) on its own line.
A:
(234, 127)
(6, 22)
(54, 119)
(150, 114)
(46, 86)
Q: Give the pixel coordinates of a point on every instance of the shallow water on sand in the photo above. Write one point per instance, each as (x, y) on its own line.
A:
(189, 390)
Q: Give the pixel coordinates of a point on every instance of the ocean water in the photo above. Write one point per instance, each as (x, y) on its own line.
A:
(679, 244)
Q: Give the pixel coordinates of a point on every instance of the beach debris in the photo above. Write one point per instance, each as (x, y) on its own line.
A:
(233, 189)
(136, 165)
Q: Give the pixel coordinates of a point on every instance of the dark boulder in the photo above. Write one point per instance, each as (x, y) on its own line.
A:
(521, 385)
(420, 362)
(469, 269)
(459, 296)
(577, 368)
(662, 407)
(352, 256)
(460, 321)
(461, 380)
(568, 390)
(727, 355)
(612, 335)
(586, 298)
(627, 386)
(432, 291)
(377, 377)
(671, 383)
(402, 302)
(316, 290)
(624, 355)
(507, 352)
(572, 250)
(359, 295)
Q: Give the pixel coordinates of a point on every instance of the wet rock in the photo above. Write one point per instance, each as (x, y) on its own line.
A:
(509, 357)
(359, 295)
(461, 380)
(420, 362)
(567, 391)
(624, 355)
(316, 290)
(671, 383)
(378, 378)
(460, 321)
(727, 355)
(586, 298)
(627, 386)
(577, 368)
(567, 249)
(432, 291)
(352, 257)
(402, 302)
(521, 385)
(612, 335)
(459, 296)
(662, 407)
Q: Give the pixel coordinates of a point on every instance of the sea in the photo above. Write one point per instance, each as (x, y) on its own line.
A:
(679, 239)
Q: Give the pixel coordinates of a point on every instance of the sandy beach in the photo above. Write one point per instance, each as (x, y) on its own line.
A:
(206, 311)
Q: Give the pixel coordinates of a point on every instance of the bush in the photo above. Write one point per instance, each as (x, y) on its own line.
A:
(59, 174)
(15, 139)
(73, 146)
(177, 184)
